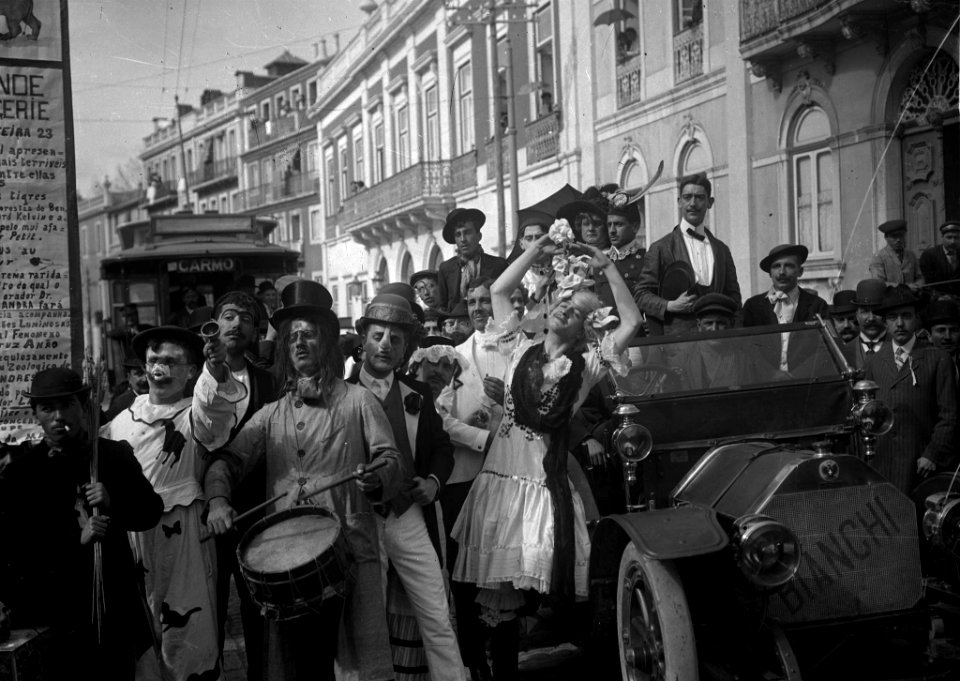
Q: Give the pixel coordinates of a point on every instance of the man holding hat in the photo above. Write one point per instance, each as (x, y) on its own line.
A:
(942, 263)
(462, 229)
(691, 243)
(873, 331)
(427, 288)
(896, 264)
(918, 383)
(942, 321)
(785, 302)
(48, 530)
(409, 530)
(319, 429)
(168, 432)
(843, 315)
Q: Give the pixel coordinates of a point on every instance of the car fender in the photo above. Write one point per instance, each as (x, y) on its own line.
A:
(663, 534)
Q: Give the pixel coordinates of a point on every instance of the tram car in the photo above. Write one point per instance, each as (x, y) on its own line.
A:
(163, 258)
(753, 538)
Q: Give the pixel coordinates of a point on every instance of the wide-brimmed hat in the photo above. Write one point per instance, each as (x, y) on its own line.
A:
(782, 251)
(305, 298)
(893, 226)
(942, 311)
(870, 293)
(458, 215)
(898, 296)
(715, 302)
(843, 302)
(169, 334)
(388, 308)
(55, 382)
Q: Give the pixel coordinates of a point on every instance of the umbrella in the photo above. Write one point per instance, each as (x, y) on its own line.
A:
(612, 16)
(551, 204)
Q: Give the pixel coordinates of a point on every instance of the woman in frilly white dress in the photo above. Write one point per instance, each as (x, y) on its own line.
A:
(523, 524)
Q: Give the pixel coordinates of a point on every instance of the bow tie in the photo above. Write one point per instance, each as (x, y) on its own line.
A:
(778, 297)
(696, 235)
(872, 346)
(305, 388)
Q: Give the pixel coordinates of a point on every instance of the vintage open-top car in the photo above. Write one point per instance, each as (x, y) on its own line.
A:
(754, 540)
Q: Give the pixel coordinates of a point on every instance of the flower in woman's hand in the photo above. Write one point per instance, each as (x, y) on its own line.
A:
(413, 403)
(571, 283)
(560, 264)
(560, 232)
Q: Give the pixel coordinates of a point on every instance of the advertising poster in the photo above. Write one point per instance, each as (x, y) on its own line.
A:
(38, 227)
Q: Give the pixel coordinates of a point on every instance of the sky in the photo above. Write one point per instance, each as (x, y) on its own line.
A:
(130, 57)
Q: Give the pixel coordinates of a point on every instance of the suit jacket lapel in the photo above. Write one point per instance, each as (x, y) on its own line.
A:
(412, 420)
(718, 270)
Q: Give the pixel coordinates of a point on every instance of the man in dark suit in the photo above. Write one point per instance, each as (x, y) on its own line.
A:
(693, 244)
(238, 315)
(873, 331)
(843, 314)
(917, 382)
(785, 303)
(410, 534)
(462, 228)
(942, 263)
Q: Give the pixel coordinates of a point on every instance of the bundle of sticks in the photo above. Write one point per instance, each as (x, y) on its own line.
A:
(95, 378)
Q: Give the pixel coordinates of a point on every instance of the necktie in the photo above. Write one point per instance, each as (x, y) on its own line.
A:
(696, 235)
(899, 357)
(469, 272)
(379, 388)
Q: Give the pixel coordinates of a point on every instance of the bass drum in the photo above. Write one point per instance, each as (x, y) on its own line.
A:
(293, 560)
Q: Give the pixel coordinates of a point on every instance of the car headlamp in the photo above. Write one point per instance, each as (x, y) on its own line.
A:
(874, 417)
(941, 521)
(630, 440)
(767, 551)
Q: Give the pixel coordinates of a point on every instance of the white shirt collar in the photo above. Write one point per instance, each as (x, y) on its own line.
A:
(792, 296)
(367, 379)
(907, 347)
(684, 226)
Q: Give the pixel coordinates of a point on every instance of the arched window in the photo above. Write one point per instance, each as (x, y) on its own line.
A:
(383, 275)
(436, 257)
(695, 159)
(814, 183)
(406, 268)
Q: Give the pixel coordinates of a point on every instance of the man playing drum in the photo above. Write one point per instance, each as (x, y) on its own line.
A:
(321, 429)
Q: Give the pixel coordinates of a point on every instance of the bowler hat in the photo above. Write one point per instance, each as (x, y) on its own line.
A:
(943, 311)
(715, 302)
(782, 251)
(458, 311)
(898, 296)
(405, 291)
(388, 308)
(677, 278)
(893, 226)
(458, 215)
(305, 298)
(843, 302)
(169, 334)
(423, 274)
(870, 293)
(950, 226)
(55, 382)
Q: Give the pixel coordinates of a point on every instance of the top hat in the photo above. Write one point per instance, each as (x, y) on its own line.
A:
(715, 302)
(423, 274)
(942, 311)
(950, 226)
(843, 302)
(305, 298)
(457, 312)
(781, 251)
(458, 215)
(893, 226)
(388, 308)
(55, 382)
(870, 293)
(898, 296)
(169, 334)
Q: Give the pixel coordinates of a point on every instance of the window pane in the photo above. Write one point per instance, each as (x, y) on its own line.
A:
(813, 126)
(804, 201)
(543, 25)
(825, 212)
(695, 159)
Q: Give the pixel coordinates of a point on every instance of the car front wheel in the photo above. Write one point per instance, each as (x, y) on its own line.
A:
(655, 633)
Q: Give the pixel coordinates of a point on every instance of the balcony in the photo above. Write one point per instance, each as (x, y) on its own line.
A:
(219, 171)
(504, 157)
(463, 171)
(629, 75)
(263, 132)
(289, 187)
(543, 138)
(688, 54)
(422, 192)
(775, 30)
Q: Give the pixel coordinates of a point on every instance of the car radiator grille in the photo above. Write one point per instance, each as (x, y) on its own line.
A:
(860, 552)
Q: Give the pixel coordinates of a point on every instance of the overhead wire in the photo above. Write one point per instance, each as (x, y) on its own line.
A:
(163, 52)
(183, 30)
(193, 39)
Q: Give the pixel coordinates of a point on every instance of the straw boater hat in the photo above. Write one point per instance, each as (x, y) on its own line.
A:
(304, 298)
(171, 334)
(56, 382)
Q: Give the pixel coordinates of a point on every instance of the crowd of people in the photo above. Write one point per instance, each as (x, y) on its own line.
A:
(438, 437)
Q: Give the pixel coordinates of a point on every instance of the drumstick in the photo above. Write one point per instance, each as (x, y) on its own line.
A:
(379, 463)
